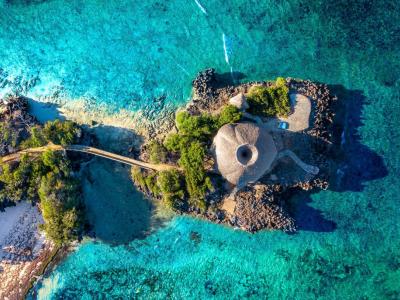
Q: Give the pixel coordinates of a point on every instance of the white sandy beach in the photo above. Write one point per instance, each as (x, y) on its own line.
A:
(23, 249)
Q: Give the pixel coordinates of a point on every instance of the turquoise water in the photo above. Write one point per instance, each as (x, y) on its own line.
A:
(126, 53)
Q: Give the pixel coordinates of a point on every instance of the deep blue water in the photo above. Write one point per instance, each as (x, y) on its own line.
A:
(123, 54)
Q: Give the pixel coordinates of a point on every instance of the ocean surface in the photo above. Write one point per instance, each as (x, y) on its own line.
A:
(127, 55)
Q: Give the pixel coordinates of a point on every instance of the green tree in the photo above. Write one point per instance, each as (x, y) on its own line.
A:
(47, 179)
(196, 126)
(192, 160)
(229, 114)
(146, 180)
(8, 135)
(61, 208)
(36, 139)
(61, 133)
(171, 187)
(270, 101)
(158, 153)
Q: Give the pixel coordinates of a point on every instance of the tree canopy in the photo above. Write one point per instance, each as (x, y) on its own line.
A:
(194, 135)
(45, 179)
(270, 101)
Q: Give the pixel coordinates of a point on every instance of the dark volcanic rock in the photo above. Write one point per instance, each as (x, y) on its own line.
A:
(204, 84)
(258, 207)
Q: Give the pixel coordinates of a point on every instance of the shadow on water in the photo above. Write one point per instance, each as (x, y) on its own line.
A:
(116, 211)
(353, 164)
(228, 78)
(307, 217)
(44, 111)
(358, 163)
(25, 2)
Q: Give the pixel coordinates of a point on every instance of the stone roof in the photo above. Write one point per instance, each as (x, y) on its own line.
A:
(244, 152)
(239, 101)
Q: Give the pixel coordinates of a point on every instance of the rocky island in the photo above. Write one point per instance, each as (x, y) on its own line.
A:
(242, 150)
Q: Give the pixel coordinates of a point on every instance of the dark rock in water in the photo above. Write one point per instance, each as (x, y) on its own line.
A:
(196, 237)
(203, 84)
(208, 285)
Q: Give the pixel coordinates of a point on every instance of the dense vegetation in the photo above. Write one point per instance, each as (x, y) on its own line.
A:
(171, 183)
(166, 184)
(190, 145)
(270, 101)
(58, 132)
(157, 153)
(8, 135)
(46, 179)
(145, 180)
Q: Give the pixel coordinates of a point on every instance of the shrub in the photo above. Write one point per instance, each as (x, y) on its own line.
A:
(47, 179)
(270, 101)
(191, 160)
(157, 152)
(8, 135)
(61, 133)
(200, 126)
(137, 177)
(58, 132)
(229, 114)
(61, 208)
(151, 183)
(194, 133)
(15, 180)
(172, 188)
(36, 139)
(145, 181)
(176, 141)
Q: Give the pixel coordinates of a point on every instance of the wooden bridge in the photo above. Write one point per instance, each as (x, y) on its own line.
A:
(89, 150)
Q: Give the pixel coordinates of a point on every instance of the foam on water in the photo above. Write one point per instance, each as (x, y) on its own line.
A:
(225, 48)
(124, 54)
(200, 6)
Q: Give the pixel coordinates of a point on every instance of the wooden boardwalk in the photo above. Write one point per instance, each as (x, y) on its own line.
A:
(92, 151)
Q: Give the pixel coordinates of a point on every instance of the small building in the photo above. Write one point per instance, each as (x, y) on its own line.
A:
(239, 101)
(244, 152)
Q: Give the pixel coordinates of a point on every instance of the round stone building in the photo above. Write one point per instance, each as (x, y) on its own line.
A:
(244, 152)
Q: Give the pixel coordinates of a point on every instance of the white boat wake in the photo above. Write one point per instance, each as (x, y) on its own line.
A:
(201, 7)
(225, 48)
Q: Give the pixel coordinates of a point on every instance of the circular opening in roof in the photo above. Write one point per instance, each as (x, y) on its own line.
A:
(246, 154)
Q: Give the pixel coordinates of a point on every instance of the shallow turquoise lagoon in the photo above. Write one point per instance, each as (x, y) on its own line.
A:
(127, 53)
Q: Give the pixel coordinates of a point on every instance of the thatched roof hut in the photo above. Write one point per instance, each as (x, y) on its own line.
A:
(239, 101)
(244, 152)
